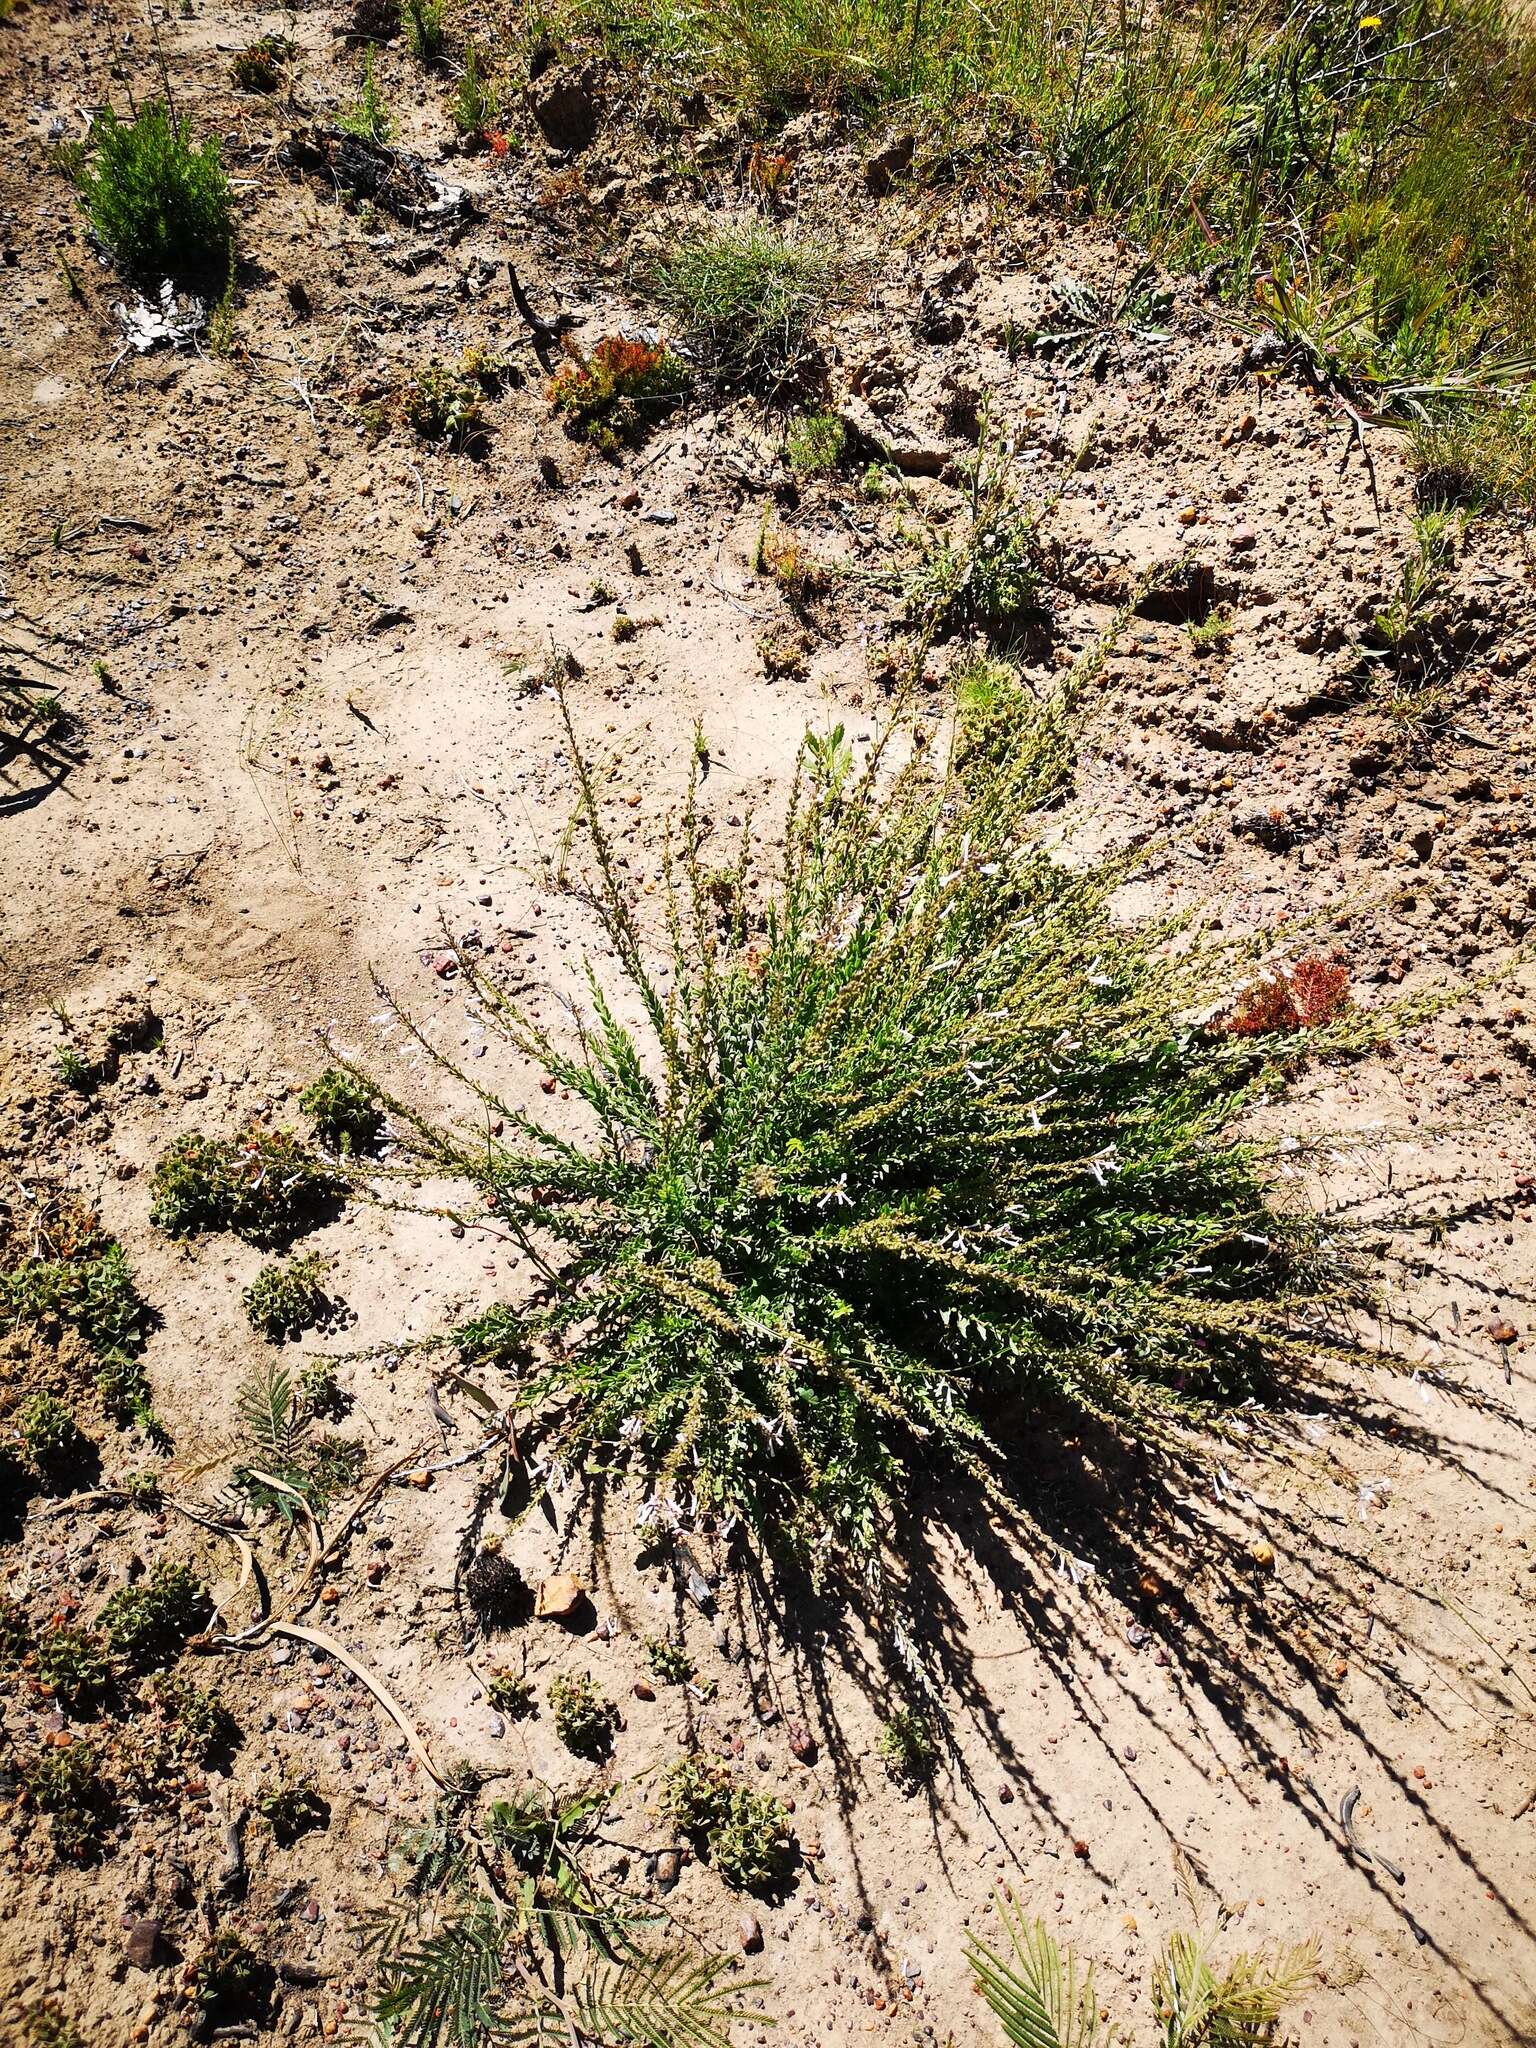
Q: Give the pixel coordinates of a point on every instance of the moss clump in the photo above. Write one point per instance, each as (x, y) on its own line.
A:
(345, 1110)
(148, 1624)
(263, 1185)
(585, 1719)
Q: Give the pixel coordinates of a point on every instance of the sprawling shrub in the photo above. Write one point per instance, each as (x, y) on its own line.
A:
(919, 1153)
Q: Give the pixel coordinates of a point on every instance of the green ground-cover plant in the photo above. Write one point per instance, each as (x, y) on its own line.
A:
(621, 390)
(231, 1982)
(814, 445)
(907, 1747)
(747, 300)
(426, 30)
(293, 1811)
(263, 1185)
(72, 1666)
(507, 1934)
(260, 65)
(71, 1788)
(47, 2025)
(919, 1151)
(583, 1718)
(670, 1661)
(369, 118)
(344, 1112)
(147, 1624)
(55, 1445)
(90, 1290)
(284, 1301)
(281, 1468)
(162, 208)
(747, 1833)
(475, 108)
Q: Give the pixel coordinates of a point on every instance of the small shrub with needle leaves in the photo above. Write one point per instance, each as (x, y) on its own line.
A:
(160, 205)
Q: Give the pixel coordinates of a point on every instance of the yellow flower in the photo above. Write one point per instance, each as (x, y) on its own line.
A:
(1370, 21)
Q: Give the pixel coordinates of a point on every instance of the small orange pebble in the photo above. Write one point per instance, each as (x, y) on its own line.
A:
(1418, 1770)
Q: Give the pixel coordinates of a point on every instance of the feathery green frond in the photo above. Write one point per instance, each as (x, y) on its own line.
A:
(1036, 1992)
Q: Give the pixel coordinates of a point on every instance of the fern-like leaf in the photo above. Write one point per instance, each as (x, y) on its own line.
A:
(1239, 2009)
(666, 1999)
(272, 1417)
(1036, 1993)
(445, 1992)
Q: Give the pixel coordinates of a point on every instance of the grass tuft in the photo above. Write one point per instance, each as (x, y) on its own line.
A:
(747, 300)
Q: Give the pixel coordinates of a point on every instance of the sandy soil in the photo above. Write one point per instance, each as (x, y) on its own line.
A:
(304, 763)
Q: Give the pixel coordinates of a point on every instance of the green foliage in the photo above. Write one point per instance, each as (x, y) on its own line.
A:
(48, 2025)
(53, 1441)
(260, 65)
(283, 1470)
(1042, 2000)
(1380, 166)
(148, 1623)
(748, 301)
(162, 208)
(91, 1291)
(1480, 457)
(231, 1982)
(618, 394)
(263, 1185)
(670, 1661)
(510, 1695)
(69, 1786)
(475, 108)
(907, 1747)
(293, 1811)
(816, 443)
(584, 1719)
(1084, 329)
(71, 1663)
(989, 579)
(284, 1301)
(747, 1833)
(480, 1968)
(839, 1206)
(200, 1726)
(345, 1110)
(426, 35)
(369, 119)
(75, 1072)
(443, 405)
(991, 709)
(321, 1392)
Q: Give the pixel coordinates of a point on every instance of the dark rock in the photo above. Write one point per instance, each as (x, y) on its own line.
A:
(144, 1944)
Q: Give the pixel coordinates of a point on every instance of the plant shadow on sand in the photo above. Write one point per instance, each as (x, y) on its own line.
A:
(1133, 1555)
